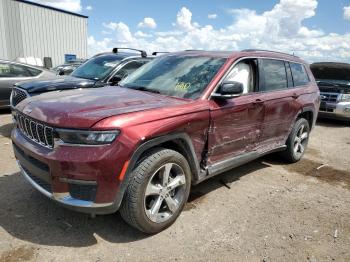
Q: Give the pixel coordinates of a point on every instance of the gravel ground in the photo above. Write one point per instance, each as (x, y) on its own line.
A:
(268, 211)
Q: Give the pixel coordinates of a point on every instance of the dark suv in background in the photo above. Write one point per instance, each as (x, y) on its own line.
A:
(100, 70)
(179, 120)
(333, 80)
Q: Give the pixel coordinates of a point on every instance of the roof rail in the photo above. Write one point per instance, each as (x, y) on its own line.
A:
(156, 53)
(188, 50)
(262, 50)
(116, 49)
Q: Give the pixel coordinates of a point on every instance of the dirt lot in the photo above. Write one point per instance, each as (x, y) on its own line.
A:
(270, 211)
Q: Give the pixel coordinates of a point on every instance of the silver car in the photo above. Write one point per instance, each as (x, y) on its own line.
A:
(13, 72)
(333, 80)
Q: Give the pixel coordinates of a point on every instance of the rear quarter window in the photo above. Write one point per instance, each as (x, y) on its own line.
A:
(300, 77)
(34, 71)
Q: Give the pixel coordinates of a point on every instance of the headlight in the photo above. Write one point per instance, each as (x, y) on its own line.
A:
(87, 137)
(344, 98)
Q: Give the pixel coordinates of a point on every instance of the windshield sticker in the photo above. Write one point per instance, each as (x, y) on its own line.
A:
(182, 86)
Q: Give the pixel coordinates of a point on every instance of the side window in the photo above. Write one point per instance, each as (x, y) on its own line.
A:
(300, 76)
(19, 71)
(272, 74)
(128, 68)
(244, 72)
(33, 71)
(5, 70)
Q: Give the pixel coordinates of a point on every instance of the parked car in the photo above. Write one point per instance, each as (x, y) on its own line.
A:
(179, 120)
(333, 80)
(67, 68)
(101, 70)
(13, 72)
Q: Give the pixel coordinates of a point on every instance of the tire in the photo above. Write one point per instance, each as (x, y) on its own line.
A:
(148, 191)
(298, 137)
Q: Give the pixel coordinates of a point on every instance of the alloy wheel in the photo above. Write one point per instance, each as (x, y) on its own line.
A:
(164, 192)
(300, 140)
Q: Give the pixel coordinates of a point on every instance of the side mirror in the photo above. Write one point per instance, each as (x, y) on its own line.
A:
(115, 79)
(60, 72)
(229, 90)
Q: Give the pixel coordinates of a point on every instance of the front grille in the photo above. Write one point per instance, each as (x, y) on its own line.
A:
(34, 130)
(83, 192)
(17, 96)
(329, 97)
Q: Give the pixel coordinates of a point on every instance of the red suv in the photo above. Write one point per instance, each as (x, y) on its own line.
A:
(178, 120)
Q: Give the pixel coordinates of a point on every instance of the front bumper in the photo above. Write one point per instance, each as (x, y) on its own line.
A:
(84, 179)
(68, 201)
(339, 110)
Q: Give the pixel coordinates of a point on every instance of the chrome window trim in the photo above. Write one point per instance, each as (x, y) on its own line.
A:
(254, 57)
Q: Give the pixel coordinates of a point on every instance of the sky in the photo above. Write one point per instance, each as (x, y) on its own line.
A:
(316, 30)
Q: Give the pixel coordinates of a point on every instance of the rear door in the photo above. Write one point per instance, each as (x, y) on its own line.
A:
(276, 85)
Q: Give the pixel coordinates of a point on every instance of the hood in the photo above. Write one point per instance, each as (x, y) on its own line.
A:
(331, 71)
(332, 77)
(84, 107)
(60, 83)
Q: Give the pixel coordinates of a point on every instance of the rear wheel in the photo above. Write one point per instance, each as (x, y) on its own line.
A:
(158, 191)
(297, 141)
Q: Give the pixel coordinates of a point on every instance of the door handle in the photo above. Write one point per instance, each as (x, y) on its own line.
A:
(295, 95)
(258, 101)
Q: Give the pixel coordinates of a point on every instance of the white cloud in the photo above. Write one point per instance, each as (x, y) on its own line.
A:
(89, 8)
(69, 5)
(142, 34)
(281, 28)
(212, 16)
(347, 12)
(184, 20)
(147, 22)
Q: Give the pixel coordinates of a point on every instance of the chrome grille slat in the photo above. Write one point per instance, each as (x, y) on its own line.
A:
(35, 131)
(17, 96)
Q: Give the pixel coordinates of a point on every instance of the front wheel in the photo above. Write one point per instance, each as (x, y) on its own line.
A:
(157, 192)
(297, 141)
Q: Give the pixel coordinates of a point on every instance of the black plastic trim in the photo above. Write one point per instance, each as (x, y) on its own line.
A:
(191, 157)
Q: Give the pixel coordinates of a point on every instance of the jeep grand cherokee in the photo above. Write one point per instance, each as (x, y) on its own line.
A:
(179, 120)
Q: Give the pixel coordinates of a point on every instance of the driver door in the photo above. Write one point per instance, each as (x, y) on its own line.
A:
(236, 123)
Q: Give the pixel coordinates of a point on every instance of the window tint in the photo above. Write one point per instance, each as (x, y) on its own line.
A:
(300, 76)
(129, 68)
(98, 67)
(13, 70)
(272, 74)
(19, 70)
(34, 71)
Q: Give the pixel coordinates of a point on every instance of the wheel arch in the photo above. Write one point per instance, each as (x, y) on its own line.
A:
(309, 114)
(179, 142)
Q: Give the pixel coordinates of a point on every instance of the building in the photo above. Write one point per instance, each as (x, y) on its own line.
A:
(31, 30)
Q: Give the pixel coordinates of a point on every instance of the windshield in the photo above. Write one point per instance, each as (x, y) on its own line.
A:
(98, 67)
(173, 75)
